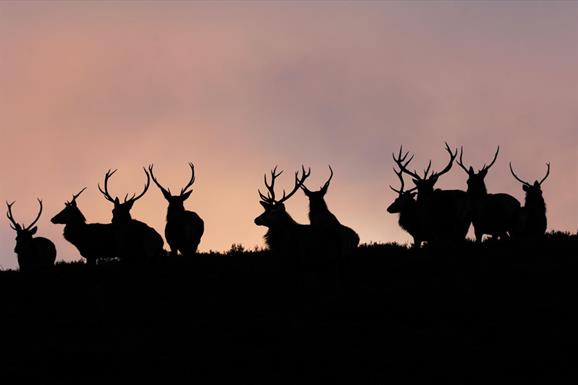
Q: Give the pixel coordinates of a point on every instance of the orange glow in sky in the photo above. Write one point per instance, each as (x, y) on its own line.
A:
(237, 88)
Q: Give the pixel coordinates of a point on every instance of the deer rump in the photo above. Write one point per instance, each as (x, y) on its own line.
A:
(41, 252)
(445, 216)
(136, 240)
(184, 232)
(495, 214)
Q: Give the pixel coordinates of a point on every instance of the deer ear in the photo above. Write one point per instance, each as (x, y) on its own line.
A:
(166, 194)
(265, 205)
(186, 195)
(471, 171)
(536, 184)
(484, 172)
(525, 188)
(116, 201)
(415, 181)
(33, 230)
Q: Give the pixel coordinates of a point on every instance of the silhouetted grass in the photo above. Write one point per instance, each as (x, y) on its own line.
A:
(495, 312)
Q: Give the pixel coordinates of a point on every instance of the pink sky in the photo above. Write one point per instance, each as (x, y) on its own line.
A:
(239, 87)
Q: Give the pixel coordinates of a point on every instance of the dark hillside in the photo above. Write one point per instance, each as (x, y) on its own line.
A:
(490, 313)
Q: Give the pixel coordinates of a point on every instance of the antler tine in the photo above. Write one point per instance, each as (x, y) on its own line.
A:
(450, 163)
(515, 176)
(547, 173)
(271, 187)
(37, 217)
(403, 166)
(192, 180)
(460, 162)
(10, 217)
(146, 187)
(166, 191)
(400, 176)
(493, 160)
(426, 171)
(74, 196)
(105, 191)
(298, 183)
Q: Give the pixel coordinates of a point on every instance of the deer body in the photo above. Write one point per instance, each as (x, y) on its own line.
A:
(493, 214)
(135, 239)
(32, 253)
(406, 206)
(444, 215)
(326, 222)
(93, 241)
(532, 221)
(184, 229)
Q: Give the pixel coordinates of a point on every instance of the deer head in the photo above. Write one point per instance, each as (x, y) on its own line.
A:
(404, 198)
(24, 233)
(121, 211)
(533, 191)
(176, 202)
(476, 184)
(425, 184)
(71, 213)
(275, 213)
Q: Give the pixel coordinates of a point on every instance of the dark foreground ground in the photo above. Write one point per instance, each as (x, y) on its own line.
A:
(493, 313)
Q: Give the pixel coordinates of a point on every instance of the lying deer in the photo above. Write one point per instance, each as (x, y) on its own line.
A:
(32, 253)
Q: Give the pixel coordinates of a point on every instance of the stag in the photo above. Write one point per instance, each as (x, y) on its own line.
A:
(284, 234)
(184, 228)
(492, 214)
(444, 215)
(533, 222)
(136, 239)
(33, 253)
(94, 241)
(406, 206)
(320, 216)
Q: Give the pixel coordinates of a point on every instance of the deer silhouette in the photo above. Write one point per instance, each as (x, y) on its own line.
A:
(284, 234)
(444, 215)
(93, 240)
(406, 206)
(184, 229)
(136, 240)
(32, 253)
(492, 214)
(320, 216)
(533, 221)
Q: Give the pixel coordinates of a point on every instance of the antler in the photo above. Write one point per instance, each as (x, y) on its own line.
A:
(547, 173)
(37, 217)
(74, 196)
(165, 191)
(326, 185)
(403, 166)
(400, 176)
(105, 192)
(518, 179)
(460, 162)
(13, 224)
(270, 198)
(126, 198)
(493, 161)
(16, 226)
(192, 180)
(450, 163)
(146, 187)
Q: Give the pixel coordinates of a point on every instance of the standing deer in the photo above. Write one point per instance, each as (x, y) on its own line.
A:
(492, 214)
(444, 215)
(32, 253)
(533, 222)
(320, 216)
(406, 206)
(184, 229)
(136, 240)
(93, 240)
